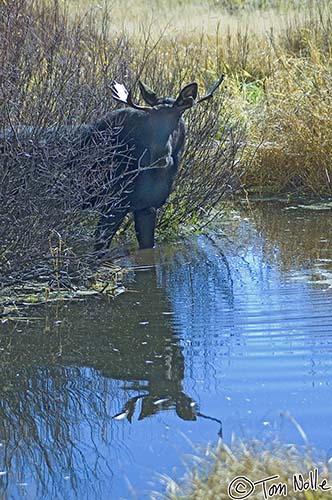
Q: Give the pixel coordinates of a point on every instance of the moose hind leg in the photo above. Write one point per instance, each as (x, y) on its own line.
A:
(107, 226)
(145, 223)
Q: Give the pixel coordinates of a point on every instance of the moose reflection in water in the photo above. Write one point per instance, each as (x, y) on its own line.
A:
(143, 351)
(86, 366)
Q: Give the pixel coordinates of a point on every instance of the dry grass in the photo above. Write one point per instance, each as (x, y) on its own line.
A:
(293, 117)
(192, 17)
(210, 479)
(277, 58)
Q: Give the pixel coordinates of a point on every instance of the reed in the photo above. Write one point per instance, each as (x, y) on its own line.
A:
(214, 476)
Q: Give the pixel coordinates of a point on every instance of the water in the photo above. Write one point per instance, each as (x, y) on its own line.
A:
(231, 330)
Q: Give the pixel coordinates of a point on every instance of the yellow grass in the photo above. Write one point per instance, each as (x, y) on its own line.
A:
(215, 476)
(278, 65)
(191, 18)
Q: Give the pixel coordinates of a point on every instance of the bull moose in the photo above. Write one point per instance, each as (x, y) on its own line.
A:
(136, 151)
(149, 144)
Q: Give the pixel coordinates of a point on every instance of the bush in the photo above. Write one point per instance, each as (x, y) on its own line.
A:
(56, 71)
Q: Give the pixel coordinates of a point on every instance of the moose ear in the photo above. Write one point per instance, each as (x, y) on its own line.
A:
(147, 94)
(187, 95)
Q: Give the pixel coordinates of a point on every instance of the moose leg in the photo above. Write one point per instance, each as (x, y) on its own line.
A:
(145, 223)
(107, 226)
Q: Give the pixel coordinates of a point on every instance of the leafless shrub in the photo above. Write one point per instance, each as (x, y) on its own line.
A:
(211, 165)
(55, 75)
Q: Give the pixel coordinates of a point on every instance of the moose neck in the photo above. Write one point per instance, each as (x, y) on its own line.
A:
(162, 124)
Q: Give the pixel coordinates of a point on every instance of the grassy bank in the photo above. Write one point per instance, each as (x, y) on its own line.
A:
(231, 473)
(277, 58)
(268, 129)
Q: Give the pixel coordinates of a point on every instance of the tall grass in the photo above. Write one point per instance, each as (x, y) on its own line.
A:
(277, 58)
(293, 117)
(213, 475)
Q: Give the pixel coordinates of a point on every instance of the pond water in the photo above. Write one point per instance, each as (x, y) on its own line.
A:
(231, 330)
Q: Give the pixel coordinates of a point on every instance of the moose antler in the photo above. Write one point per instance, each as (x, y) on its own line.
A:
(212, 91)
(121, 94)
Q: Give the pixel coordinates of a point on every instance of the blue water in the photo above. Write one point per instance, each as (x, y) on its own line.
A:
(233, 330)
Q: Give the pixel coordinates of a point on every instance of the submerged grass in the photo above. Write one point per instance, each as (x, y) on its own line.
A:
(107, 282)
